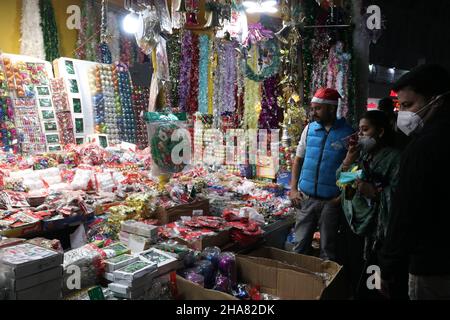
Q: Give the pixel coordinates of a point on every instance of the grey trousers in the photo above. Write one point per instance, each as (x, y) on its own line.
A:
(318, 213)
(429, 287)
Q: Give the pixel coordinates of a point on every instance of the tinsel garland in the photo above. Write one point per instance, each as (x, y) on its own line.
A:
(192, 102)
(32, 41)
(204, 74)
(174, 56)
(114, 31)
(89, 35)
(211, 77)
(338, 71)
(185, 68)
(50, 31)
(126, 48)
(252, 103)
(227, 77)
(271, 115)
(309, 9)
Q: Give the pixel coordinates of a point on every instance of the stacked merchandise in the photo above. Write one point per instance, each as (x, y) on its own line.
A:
(29, 272)
(133, 280)
(138, 235)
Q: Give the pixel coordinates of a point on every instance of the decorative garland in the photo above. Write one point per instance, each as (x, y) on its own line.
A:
(225, 86)
(114, 31)
(126, 48)
(271, 115)
(174, 55)
(186, 63)
(204, 73)
(252, 103)
(89, 35)
(32, 42)
(270, 70)
(50, 31)
(192, 101)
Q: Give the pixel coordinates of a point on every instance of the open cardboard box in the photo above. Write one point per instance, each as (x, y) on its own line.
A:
(220, 239)
(284, 283)
(168, 215)
(335, 286)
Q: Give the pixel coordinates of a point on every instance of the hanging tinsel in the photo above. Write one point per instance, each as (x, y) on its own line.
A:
(338, 72)
(185, 67)
(114, 32)
(89, 34)
(252, 103)
(50, 31)
(271, 115)
(192, 101)
(126, 48)
(32, 41)
(204, 73)
(174, 56)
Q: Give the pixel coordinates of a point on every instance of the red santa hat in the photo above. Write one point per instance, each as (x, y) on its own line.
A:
(326, 96)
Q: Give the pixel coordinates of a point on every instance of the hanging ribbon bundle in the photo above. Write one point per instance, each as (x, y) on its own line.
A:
(174, 56)
(192, 101)
(271, 115)
(32, 42)
(252, 102)
(50, 32)
(204, 73)
(185, 67)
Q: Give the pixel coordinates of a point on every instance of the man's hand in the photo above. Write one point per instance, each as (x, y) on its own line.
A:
(366, 189)
(296, 197)
(336, 201)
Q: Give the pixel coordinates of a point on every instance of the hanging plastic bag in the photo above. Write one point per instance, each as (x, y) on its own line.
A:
(169, 142)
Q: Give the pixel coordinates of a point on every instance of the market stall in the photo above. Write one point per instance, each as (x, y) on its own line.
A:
(90, 184)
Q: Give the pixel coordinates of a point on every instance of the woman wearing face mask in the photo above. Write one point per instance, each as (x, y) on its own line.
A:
(368, 206)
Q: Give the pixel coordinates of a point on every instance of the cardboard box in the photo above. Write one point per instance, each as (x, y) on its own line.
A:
(188, 290)
(270, 275)
(168, 215)
(119, 262)
(36, 279)
(334, 286)
(23, 231)
(164, 261)
(51, 290)
(26, 259)
(220, 239)
(59, 224)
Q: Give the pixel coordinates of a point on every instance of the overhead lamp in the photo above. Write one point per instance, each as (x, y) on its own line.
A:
(131, 23)
(260, 6)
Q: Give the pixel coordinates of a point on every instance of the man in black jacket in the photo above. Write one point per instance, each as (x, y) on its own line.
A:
(418, 234)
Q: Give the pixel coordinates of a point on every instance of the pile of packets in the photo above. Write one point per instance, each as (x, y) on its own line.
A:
(217, 270)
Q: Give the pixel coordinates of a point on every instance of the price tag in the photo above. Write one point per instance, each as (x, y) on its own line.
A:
(197, 213)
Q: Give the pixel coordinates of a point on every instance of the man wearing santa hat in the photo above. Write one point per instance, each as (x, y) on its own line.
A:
(313, 187)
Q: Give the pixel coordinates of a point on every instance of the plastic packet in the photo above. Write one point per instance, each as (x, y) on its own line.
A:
(81, 179)
(169, 142)
(163, 13)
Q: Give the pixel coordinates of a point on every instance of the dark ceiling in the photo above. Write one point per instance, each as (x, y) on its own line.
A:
(416, 31)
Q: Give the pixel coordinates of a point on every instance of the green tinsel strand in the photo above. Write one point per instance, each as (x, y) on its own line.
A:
(309, 9)
(49, 30)
(174, 56)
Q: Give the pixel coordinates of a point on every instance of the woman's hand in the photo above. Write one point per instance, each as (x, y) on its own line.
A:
(351, 157)
(367, 189)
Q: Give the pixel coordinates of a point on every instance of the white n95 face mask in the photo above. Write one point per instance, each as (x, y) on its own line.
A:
(367, 143)
(408, 122)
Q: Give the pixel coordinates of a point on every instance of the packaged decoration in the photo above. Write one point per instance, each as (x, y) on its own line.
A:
(167, 133)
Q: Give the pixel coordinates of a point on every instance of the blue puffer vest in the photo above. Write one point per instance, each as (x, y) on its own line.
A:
(325, 152)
